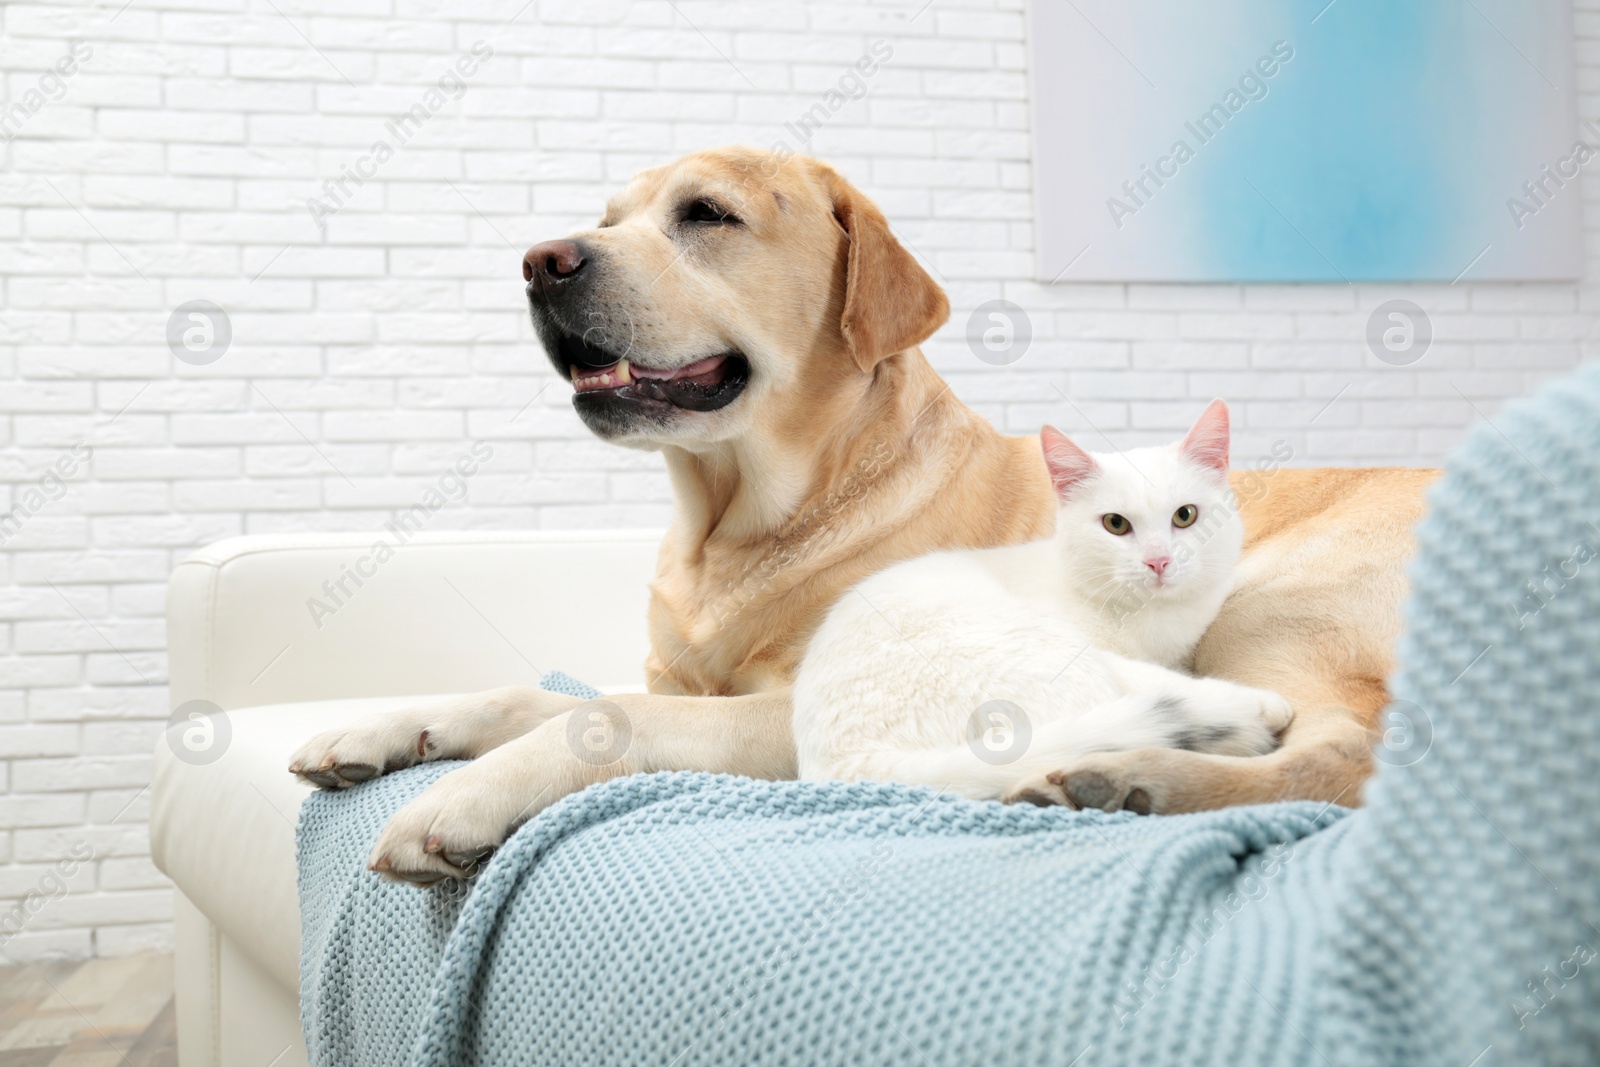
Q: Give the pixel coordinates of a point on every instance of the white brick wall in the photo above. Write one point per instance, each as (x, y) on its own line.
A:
(176, 163)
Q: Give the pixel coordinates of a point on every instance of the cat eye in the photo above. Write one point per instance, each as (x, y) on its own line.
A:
(1116, 524)
(1185, 516)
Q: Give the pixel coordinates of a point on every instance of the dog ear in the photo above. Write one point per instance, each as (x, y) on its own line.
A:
(890, 303)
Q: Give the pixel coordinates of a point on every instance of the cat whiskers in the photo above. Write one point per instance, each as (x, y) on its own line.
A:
(1111, 584)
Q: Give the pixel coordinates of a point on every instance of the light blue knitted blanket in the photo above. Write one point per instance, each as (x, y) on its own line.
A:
(695, 919)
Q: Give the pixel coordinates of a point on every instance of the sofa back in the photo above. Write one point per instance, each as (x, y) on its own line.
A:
(277, 619)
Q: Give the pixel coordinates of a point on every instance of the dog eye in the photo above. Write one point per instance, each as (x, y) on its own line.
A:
(709, 211)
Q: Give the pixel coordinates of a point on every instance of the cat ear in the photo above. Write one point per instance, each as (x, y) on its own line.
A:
(1068, 463)
(1207, 442)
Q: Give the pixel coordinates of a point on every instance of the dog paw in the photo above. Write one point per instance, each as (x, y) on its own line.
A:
(1038, 791)
(462, 728)
(1086, 788)
(446, 832)
(1100, 783)
(338, 759)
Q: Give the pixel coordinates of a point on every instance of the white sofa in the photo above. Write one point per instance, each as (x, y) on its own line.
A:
(449, 613)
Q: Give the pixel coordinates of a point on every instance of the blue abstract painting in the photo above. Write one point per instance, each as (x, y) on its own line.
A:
(1281, 140)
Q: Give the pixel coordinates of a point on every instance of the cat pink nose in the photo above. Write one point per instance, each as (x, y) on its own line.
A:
(1159, 565)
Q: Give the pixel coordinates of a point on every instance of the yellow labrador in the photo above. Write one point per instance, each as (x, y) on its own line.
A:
(752, 317)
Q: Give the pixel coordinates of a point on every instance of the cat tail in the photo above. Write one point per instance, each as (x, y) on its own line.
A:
(988, 766)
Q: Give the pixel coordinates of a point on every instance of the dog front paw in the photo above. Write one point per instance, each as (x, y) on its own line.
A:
(462, 728)
(446, 832)
(338, 759)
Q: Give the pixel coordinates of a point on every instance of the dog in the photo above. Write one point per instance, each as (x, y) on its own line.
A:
(751, 316)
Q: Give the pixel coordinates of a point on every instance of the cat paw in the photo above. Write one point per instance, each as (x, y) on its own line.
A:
(1226, 719)
(1272, 714)
(1276, 711)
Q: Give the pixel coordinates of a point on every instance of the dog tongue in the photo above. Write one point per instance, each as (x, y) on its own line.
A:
(685, 373)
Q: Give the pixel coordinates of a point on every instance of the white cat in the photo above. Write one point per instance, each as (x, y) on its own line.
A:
(984, 670)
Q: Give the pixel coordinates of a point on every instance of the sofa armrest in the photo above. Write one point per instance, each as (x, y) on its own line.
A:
(281, 619)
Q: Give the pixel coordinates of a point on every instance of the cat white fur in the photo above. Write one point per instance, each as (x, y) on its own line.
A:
(918, 672)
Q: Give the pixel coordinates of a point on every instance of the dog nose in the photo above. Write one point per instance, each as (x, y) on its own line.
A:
(550, 264)
(1159, 564)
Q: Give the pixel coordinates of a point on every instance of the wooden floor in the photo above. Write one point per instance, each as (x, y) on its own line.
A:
(97, 1013)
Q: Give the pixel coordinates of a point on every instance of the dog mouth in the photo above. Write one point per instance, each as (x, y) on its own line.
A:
(600, 377)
